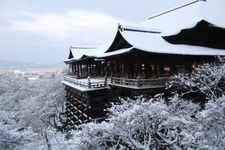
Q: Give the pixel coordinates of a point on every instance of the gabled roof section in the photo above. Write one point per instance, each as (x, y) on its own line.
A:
(118, 43)
(153, 42)
(70, 55)
(203, 34)
(81, 52)
(185, 16)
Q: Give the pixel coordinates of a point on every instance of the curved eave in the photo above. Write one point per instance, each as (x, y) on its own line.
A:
(116, 53)
(203, 34)
(83, 58)
(192, 51)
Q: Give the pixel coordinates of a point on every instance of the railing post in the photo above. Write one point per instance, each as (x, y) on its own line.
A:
(111, 80)
(89, 82)
(138, 81)
(105, 81)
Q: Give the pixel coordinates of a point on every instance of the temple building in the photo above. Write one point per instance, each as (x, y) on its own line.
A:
(142, 57)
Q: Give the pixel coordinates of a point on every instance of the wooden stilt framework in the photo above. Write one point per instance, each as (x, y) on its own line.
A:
(83, 107)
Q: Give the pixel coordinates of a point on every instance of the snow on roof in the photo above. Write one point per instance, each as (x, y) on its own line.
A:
(117, 52)
(137, 28)
(90, 51)
(152, 42)
(187, 16)
(147, 36)
(81, 52)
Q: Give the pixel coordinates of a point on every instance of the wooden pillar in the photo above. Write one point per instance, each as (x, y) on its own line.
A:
(131, 70)
(98, 68)
(147, 70)
(156, 70)
(135, 71)
(70, 68)
(81, 70)
(139, 69)
(161, 70)
(75, 69)
(117, 69)
(78, 70)
(126, 65)
(87, 72)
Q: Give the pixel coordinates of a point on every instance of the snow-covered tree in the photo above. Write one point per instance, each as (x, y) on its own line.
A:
(29, 112)
(29, 104)
(211, 132)
(142, 124)
(153, 124)
(204, 82)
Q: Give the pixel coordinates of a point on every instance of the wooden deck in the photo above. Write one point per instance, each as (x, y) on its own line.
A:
(87, 84)
(88, 98)
(90, 84)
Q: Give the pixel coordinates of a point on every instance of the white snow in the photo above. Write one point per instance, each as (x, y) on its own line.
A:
(78, 53)
(169, 23)
(32, 78)
(117, 52)
(81, 84)
(154, 43)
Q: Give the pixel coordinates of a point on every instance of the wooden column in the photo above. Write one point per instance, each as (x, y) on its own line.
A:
(78, 70)
(117, 69)
(87, 72)
(147, 70)
(75, 69)
(157, 70)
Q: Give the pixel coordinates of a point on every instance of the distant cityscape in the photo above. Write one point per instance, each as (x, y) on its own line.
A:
(18, 64)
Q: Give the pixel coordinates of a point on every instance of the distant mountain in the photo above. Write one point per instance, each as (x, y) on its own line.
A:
(17, 65)
(57, 65)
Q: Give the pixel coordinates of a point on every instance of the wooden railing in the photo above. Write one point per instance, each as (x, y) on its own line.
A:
(88, 84)
(158, 82)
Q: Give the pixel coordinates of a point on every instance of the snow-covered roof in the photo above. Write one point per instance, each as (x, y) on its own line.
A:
(117, 52)
(147, 36)
(154, 43)
(185, 16)
(82, 52)
(79, 52)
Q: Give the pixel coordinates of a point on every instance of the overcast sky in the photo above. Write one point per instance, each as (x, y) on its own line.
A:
(41, 31)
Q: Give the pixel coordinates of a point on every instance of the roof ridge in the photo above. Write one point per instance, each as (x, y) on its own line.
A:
(174, 9)
(82, 47)
(137, 29)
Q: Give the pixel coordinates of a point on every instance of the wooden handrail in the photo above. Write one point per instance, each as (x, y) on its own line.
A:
(139, 82)
(119, 81)
(88, 84)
